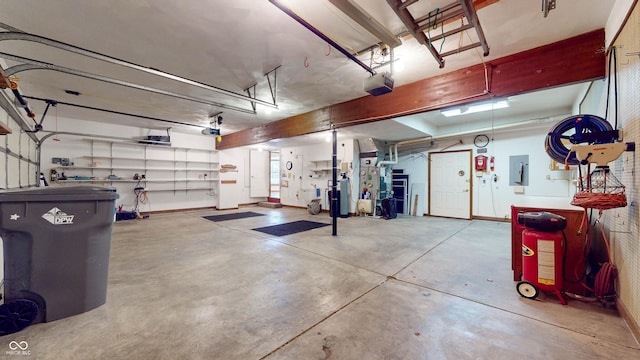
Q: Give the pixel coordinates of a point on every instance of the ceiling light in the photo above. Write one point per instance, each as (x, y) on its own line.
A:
(470, 109)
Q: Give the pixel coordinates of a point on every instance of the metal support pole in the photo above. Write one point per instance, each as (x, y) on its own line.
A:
(334, 183)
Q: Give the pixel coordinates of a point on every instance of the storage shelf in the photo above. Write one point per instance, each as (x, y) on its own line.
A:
(323, 166)
(135, 181)
(135, 143)
(177, 180)
(166, 168)
(91, 180)
(182, 189)
(129, 158)
(140, 168)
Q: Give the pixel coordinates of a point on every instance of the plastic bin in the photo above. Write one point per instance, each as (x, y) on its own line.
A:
(56, 243)
(389, 208)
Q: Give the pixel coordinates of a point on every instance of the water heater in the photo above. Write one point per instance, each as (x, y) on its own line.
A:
(344, 197)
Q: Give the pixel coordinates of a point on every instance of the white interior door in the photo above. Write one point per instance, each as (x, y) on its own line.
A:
(259, 163)
(450, 184)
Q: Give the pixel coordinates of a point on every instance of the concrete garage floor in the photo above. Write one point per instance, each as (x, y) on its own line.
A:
(183, 287)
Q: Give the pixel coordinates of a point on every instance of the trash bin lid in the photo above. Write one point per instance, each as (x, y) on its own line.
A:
(71, 193)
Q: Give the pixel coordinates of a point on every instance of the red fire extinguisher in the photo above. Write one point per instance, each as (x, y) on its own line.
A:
(542, 252)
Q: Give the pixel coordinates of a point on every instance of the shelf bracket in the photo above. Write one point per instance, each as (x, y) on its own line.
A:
(273, 88)
(248, 91)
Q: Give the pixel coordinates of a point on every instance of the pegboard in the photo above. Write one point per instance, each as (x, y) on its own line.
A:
(624, 222)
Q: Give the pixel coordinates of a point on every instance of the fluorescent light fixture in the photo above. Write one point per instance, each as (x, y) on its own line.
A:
(470, 109)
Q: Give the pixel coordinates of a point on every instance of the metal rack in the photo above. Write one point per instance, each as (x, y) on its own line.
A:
(184, 169)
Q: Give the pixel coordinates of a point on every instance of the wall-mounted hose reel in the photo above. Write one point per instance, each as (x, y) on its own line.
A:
(583, 140)
(577, 129)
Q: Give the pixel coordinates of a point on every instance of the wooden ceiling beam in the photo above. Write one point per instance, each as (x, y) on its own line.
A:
(4, 80)
(577, 59)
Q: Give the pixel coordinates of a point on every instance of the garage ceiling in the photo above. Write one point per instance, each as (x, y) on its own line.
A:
(231, 45)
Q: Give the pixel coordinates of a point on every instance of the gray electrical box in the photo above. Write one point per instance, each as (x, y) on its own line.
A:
(519, 170)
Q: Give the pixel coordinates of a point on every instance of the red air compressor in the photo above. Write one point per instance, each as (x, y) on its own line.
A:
(542, 253)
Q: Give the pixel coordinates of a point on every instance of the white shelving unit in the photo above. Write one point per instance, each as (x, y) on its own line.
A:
(320, 168)
(158, 167)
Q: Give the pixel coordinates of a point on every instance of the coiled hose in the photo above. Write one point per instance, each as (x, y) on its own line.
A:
(560, 136)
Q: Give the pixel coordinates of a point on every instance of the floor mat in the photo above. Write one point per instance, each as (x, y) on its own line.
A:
(233, 216)
(290, 228)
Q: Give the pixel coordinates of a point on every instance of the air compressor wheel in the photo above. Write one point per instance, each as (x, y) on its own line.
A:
(527, 289)
(16, 315)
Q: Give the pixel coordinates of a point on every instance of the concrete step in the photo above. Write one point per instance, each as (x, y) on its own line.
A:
(269, 204)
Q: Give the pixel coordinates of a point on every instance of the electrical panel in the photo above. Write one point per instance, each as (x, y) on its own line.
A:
(519, 170)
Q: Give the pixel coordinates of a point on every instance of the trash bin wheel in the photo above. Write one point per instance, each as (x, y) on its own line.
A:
(527, 289)
(16, 315)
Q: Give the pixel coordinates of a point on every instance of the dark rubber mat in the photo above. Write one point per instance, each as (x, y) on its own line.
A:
(233, 216)
(290, 228)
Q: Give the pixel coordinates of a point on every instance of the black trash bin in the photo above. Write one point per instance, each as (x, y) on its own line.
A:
(56, 245)
(389, 208)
